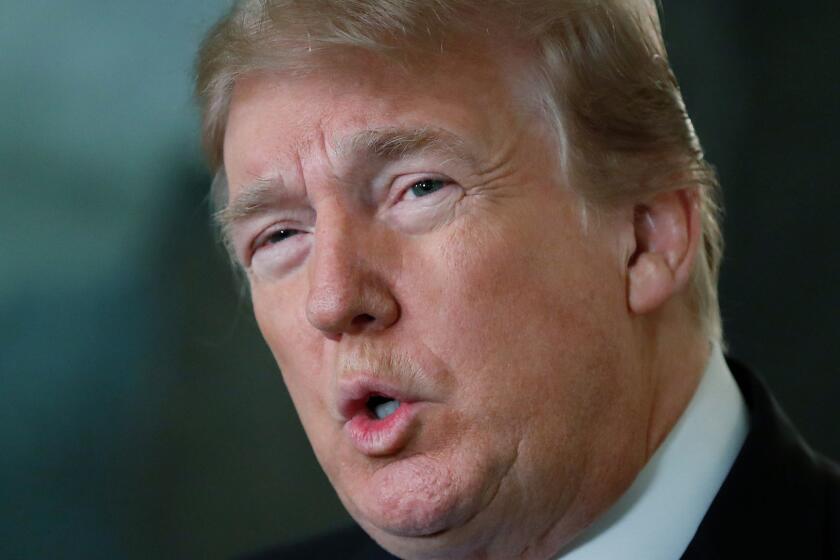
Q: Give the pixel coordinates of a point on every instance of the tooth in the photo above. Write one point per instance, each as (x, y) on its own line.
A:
(386, 409)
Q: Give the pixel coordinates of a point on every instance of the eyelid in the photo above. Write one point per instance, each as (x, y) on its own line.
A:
(263, 236)
(404, 184)
(260, 240)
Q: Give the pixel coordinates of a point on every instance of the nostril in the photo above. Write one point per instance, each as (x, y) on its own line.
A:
(363, 319)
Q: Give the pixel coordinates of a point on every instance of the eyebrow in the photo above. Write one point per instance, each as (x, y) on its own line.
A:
(393, 144)
(385, 144)
(255, 198)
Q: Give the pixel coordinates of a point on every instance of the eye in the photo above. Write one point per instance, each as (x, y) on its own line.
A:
(426, 187)
(279, 235)
(273, 237)
(277, 251)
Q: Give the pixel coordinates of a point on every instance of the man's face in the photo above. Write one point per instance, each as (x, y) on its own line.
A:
(412, 256)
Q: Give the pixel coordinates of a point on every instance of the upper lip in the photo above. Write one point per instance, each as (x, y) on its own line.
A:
(353, 394)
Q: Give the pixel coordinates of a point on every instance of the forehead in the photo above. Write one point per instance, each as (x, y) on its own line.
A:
(279, 115)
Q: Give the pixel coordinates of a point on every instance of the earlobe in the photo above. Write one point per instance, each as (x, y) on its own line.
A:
(667, 232)
(650, 282)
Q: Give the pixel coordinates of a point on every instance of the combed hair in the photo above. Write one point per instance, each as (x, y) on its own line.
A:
(599, 69)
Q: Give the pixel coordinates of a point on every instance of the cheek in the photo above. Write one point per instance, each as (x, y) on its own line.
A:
(496, 285)
(277, 318)
(525, 317)
(303, 364)
(298, 351)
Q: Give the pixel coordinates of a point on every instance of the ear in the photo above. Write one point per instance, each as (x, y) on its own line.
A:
(667, 234)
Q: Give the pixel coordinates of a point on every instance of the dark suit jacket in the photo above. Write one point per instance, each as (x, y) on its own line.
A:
(780, 500)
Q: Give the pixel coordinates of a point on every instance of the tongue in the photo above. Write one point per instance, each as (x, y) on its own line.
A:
(386, 409)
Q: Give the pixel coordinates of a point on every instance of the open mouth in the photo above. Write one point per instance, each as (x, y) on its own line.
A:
(381, 406)
(378, 420)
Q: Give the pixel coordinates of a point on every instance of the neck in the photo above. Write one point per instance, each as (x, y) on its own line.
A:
(675, 359)
(671, 359)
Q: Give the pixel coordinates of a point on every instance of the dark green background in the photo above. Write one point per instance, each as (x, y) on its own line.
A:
(140, 414)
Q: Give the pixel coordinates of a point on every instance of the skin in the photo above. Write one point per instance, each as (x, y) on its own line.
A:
(549, 359)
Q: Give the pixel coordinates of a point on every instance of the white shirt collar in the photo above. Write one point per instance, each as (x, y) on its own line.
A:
(657, 516)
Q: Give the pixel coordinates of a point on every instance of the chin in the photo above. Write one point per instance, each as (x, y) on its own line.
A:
(415, 505)
(416, 496)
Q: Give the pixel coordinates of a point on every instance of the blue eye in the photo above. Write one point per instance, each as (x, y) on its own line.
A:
(426, 187)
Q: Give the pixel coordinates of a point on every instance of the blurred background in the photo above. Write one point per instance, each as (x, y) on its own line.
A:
(140, 414)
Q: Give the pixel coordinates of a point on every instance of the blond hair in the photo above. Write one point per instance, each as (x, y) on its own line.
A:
(599, 68)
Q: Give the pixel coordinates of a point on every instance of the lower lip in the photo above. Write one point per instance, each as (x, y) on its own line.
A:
(377, 438)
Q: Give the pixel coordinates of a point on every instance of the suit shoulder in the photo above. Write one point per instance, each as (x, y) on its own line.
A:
(350, 543)
(780, 499)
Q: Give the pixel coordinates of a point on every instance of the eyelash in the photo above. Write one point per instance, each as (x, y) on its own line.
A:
(426, 181)
(285, 233)
(266, 238)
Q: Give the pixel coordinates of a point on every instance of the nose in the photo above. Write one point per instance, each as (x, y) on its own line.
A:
(348, 294)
